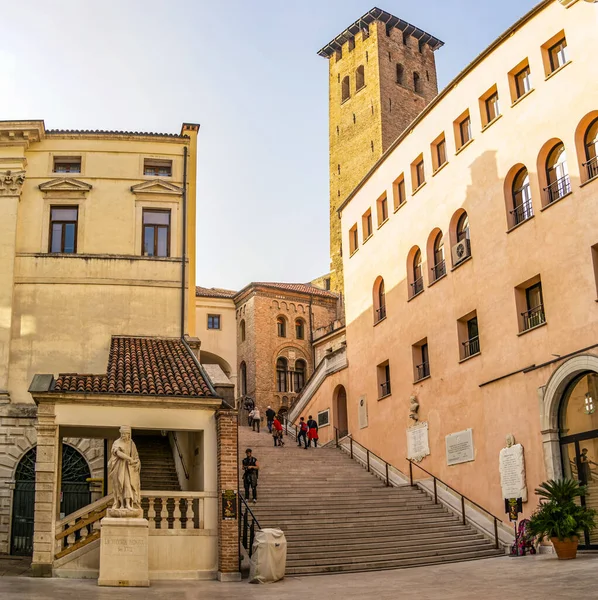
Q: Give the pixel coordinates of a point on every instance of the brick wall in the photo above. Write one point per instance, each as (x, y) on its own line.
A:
(363, 127)
(228, 479)
(263, 347)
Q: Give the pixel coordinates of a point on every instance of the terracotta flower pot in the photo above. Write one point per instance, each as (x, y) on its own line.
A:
(566, 549)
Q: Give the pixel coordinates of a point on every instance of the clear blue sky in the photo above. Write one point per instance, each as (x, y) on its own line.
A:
(248, 72)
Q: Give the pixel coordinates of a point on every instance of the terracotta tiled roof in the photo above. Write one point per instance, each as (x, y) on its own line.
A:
(304, 288)
(111, 132)
(214, 292)
(145, 366)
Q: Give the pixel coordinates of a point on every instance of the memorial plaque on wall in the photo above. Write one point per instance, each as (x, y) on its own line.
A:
(459, 447)
(363, 412)
(418, 445)
(512, 473)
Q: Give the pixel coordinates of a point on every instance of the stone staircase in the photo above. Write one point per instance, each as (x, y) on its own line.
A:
(158, 471)
(337, 517)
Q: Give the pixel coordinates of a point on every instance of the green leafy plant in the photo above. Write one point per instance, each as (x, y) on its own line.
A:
(558, 516)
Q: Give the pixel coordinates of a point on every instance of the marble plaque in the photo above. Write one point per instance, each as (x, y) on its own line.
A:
(418, 444)
(363, 412)
(459, 447)
(512, 472)
(124, 552)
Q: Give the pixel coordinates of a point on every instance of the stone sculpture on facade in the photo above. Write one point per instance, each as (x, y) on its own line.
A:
(11, 183)
(413, 408)
(124, 470)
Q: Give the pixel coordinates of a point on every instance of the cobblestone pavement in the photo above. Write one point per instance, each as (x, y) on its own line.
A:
(490, 579)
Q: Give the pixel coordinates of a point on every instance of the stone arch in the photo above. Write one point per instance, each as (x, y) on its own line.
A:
(284, 305)
(276, 304)
(551, 396)
(580, 145)
(339, 408)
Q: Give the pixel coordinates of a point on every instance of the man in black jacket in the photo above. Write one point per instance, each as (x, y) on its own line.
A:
(270, 414)
(250, 473)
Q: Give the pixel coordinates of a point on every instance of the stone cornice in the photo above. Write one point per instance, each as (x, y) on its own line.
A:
(157, 187)
(11, 183)
(64, 185)
(21, 133)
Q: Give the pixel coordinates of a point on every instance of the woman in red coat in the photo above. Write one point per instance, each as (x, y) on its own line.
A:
(277, 432)
(312, 433)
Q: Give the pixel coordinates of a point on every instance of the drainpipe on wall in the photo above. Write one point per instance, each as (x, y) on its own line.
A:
(311, 334)
(184, 253)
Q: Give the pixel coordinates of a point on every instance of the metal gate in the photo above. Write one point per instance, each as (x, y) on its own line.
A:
(74, 495)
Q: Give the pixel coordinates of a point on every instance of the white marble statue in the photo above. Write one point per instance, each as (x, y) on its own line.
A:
(512, 470)
(124, 470)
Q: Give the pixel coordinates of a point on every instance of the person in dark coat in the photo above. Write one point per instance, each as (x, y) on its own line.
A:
(270, 414)
(250, 473)
(302, 435)
(312, 433)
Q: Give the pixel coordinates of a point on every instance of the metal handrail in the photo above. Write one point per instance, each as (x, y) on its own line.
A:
(246, 529)
(176, 443)
(387, 465)
(462, 496)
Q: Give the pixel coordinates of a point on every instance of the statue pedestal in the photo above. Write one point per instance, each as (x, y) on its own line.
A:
(124, 552)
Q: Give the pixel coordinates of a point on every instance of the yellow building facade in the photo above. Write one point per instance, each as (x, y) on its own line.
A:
(470, 296)
(91, 245)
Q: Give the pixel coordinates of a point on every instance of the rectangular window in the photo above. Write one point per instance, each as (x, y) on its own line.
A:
(63, 229)
(382, 210)
(366, 223)
(353, 239)
(421, 361)
(467, 328)
(400, 195)
(418, 174)
(492, 108)
(530, 304)
(213, 321)
(438, 148)
(156, 233)
(324, 418)
(558, 55)
(465, 130)
(441, 153)
(67, 164)
(383, 373)
(159, 168)
(523, 82)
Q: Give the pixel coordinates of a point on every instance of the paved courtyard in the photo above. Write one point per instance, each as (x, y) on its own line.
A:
(491, 579)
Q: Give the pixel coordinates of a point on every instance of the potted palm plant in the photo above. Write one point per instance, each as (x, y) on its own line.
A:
(559, 518)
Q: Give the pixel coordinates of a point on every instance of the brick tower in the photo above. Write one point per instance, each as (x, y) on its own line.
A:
(382, 75)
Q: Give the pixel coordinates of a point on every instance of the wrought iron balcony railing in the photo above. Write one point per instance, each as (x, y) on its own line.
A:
(561, 187)
(423, 371)
(523, 211)
(384, 389)
(533, 317)
(380, 313)
(417, 286)
(438, 270)
(592, 167)
(471, 347)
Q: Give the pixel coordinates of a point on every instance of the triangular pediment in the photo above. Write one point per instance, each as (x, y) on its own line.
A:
(157, 186)
(65, 184)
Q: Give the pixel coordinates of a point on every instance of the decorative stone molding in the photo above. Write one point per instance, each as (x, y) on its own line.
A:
(157, 187)
(11, 182)
(65, 187)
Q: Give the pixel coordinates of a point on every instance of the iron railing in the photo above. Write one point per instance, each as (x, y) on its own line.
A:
(247, 526)
(559, 188)
(439, 270)
(471, 347)
(523, 211)
(384, 389)
(423, 370)
(380, 313)
(387, 468)
(463, 498)
(176, 443)
(533, 317)
(592, 167)
(417, 286)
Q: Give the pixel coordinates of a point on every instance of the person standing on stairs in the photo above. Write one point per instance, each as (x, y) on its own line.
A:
(256, 419)
(270, 414)
(303, 429)
(277, 432)
(250, 474)
(312, 434)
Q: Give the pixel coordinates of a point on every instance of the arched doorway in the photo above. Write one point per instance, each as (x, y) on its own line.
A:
(340, 410)
(578, 429)
(74, 494)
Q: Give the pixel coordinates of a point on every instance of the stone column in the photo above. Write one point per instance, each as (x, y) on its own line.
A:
(46, 491)
(228, 479)
(10, 192)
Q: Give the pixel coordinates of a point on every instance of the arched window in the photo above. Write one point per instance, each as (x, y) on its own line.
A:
(591, 148)
(439, 268)
(299, 375)
(379, 300)
(281, 375)
(243, 378)
(281, 325)
(400, 74)
(346, 89)
(522, 197)
(417, 285)
(300, 329)
(417, 86)
(557, 174)
(359, 77)
(463, 228)
(242, 329)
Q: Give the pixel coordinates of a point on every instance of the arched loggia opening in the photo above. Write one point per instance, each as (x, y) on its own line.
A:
(340, 410)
